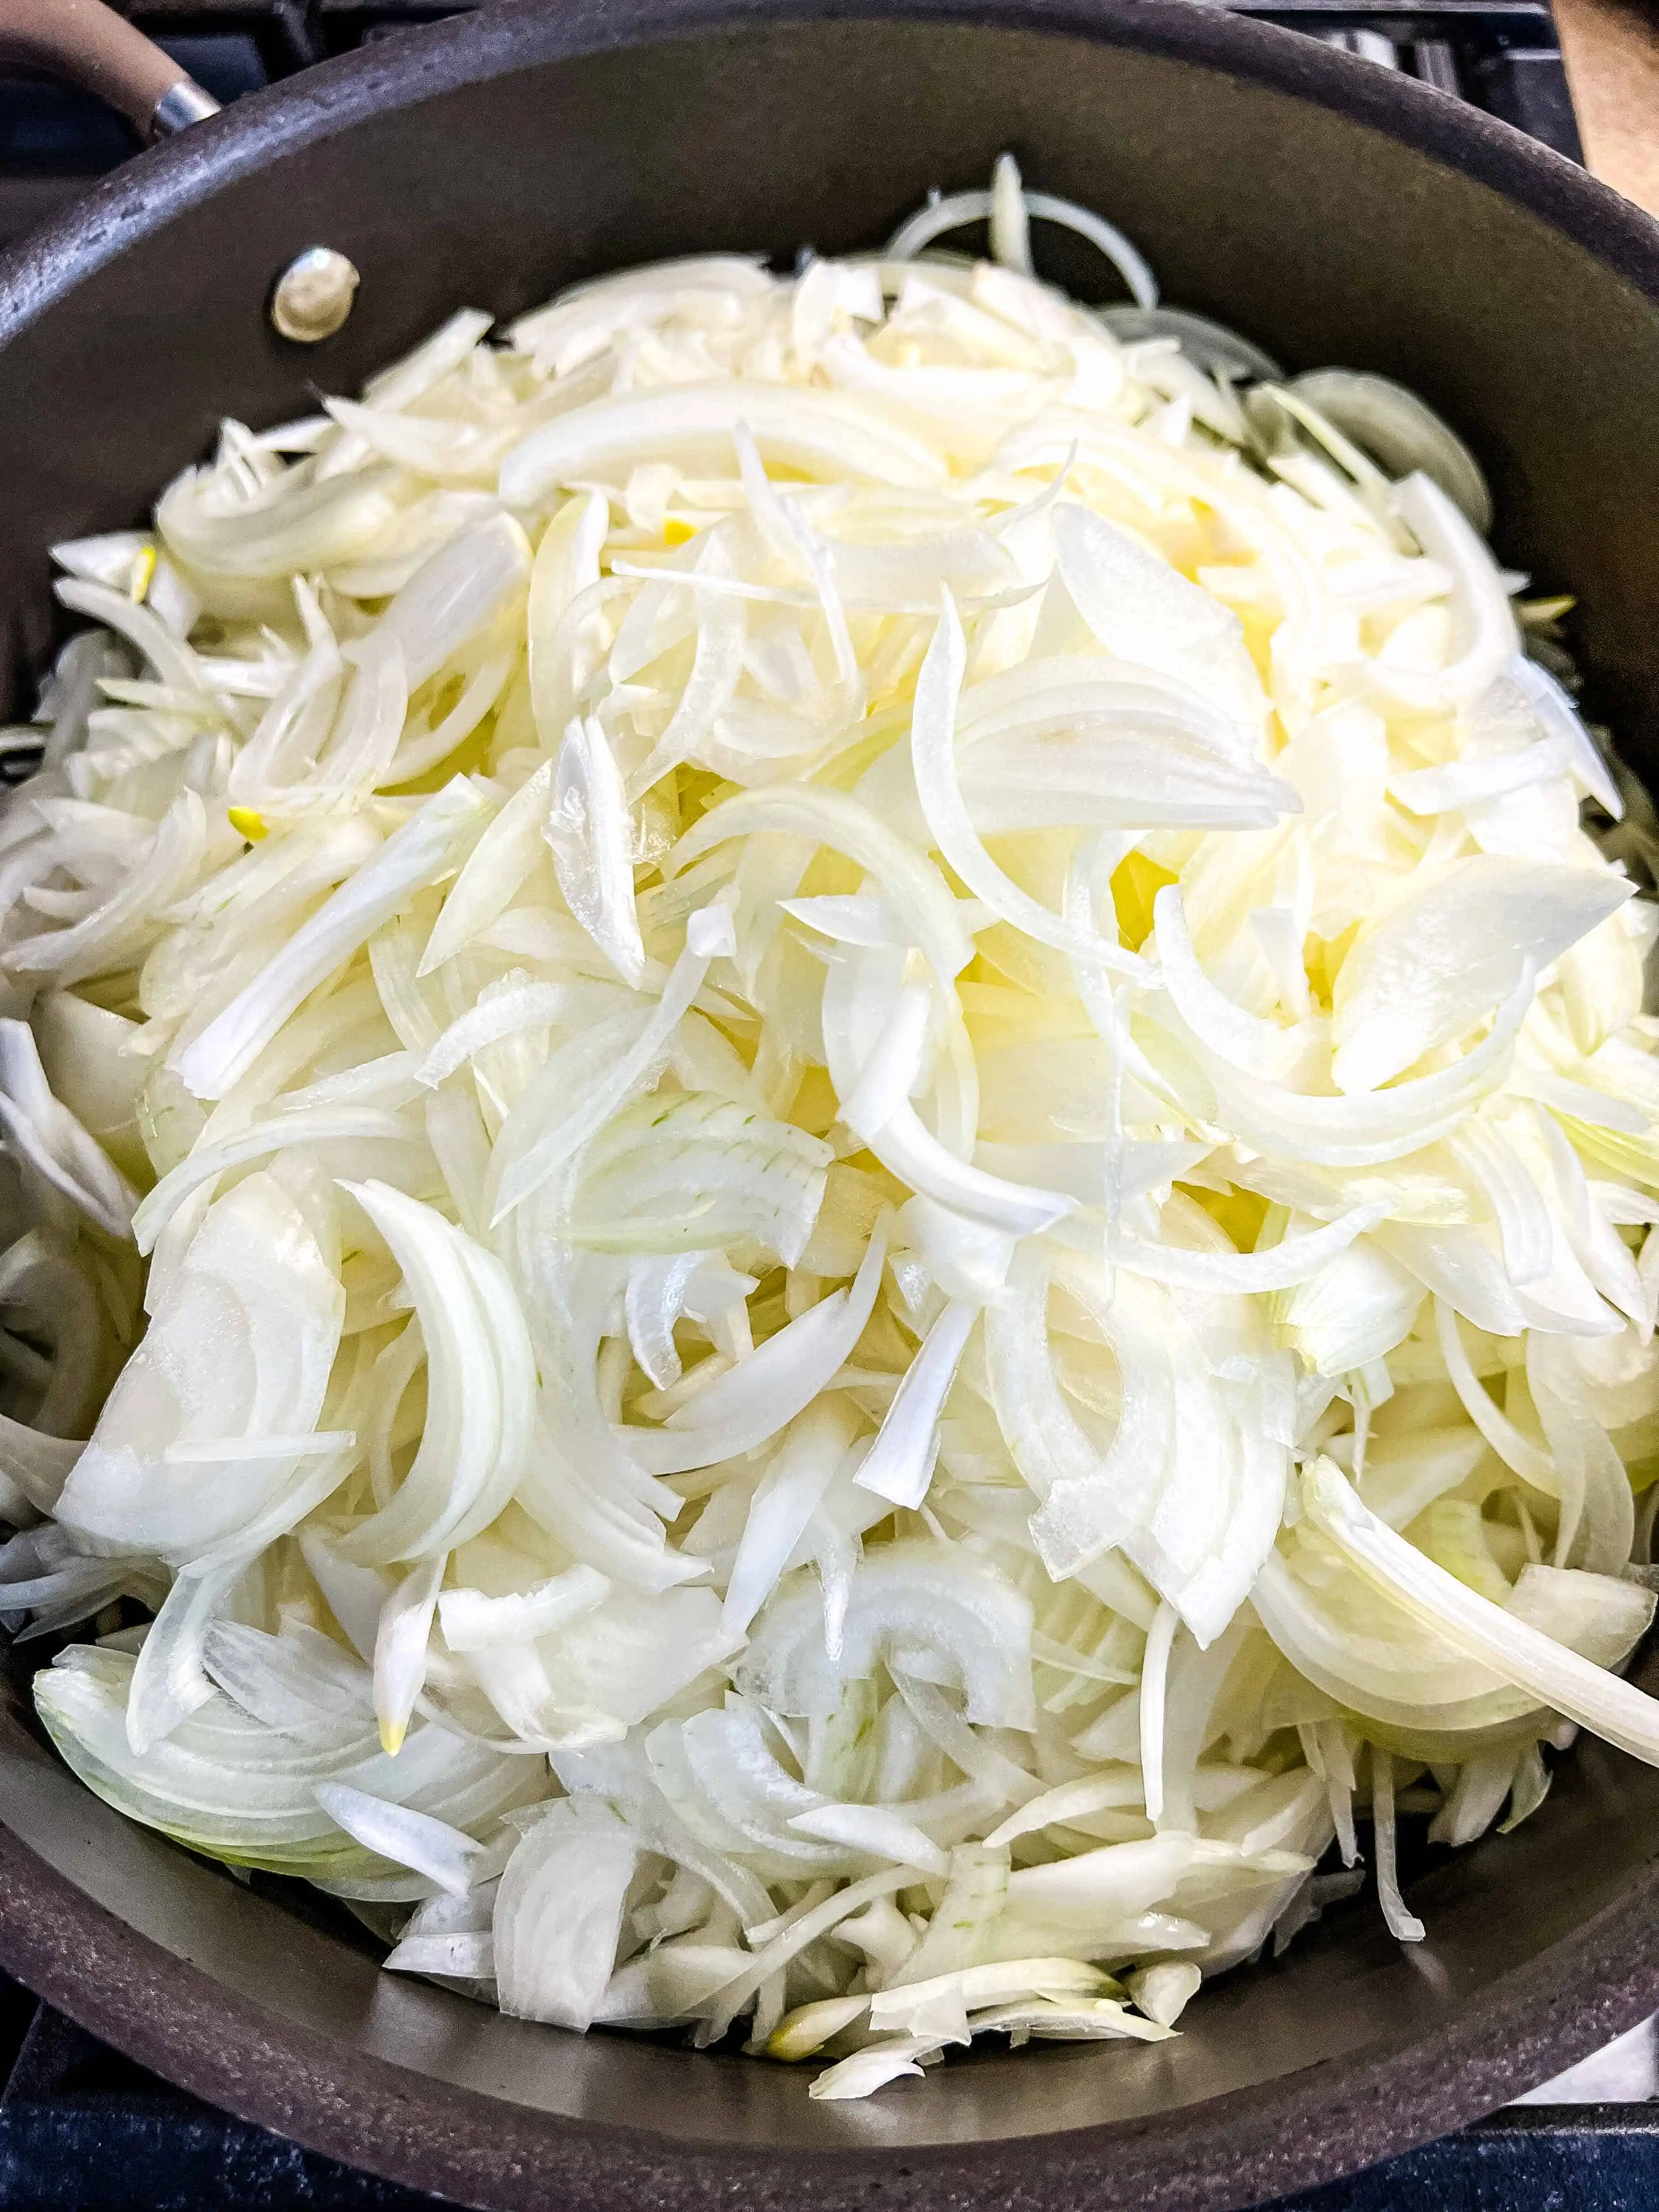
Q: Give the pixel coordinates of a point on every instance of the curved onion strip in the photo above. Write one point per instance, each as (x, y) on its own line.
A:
(958, 209)
(481, 1380)
(932, 752)
(1519, 1653)
(413, 857)
(830, 818)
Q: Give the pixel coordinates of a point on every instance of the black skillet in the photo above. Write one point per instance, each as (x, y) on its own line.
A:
(1332, 211)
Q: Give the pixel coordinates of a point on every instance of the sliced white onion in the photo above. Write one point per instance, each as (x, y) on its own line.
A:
(412, 858)
(777, 1243)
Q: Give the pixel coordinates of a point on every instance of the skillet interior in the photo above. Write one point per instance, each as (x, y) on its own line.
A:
(489, 163)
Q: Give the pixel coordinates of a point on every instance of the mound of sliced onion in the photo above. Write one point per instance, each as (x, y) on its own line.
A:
(893, 1144)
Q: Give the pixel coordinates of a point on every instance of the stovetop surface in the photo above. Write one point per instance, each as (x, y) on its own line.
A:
(82, 2130)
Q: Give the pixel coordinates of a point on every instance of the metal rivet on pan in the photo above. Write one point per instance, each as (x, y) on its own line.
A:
(313, 296)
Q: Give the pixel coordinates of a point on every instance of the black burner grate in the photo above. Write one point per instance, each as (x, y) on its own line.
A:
(82, 2130)
(1505, 59)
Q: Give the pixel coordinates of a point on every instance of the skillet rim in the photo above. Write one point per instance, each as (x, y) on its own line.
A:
(425, 62)
(1263, 2142)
